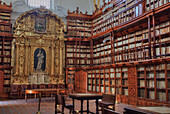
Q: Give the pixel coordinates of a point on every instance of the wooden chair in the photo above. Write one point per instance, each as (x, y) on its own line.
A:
(23, 88)
(15, 91)
(60, 100)
(108, 101)
(108, 111)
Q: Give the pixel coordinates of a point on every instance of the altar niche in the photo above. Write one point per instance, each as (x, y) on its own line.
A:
(39, 59)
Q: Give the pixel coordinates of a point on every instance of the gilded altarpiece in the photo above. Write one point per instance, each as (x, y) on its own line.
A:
(39, 41)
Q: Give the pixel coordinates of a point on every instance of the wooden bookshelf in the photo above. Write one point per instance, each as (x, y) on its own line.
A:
(78, 25)
(129, 51)
(5, 48)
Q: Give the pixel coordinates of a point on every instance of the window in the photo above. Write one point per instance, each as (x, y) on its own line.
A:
(37, 3)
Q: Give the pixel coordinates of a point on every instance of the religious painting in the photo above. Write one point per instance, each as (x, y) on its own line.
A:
(39, 59)
(40, 25)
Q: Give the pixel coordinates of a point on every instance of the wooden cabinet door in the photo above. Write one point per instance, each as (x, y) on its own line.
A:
(132, 85)
(81, 81)
(1, 82)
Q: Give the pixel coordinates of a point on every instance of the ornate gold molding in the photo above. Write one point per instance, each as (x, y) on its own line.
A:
(27, 40)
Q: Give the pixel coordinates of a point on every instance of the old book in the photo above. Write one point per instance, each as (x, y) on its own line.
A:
(142, 83)
(152, 94)
(160, 84)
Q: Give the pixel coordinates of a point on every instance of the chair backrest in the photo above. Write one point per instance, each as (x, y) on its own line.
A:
(51, 86)
(24, 87)
(14, 88)
(109, 98)
(34, 86)
(42, 86)
(60, 100)
(61, 86)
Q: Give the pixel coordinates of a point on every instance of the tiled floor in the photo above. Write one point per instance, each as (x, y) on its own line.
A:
(19, 106)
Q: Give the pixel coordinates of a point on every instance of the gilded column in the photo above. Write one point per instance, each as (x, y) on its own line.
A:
(52, 59)
(61, 58)
(17, 59)
(26, 59)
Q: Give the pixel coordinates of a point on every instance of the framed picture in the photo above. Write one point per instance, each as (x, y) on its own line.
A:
(40, 25)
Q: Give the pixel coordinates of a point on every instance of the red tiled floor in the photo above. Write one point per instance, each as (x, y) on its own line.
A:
(47, 106)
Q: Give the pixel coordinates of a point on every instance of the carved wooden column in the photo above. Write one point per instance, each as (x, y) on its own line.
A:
(91, 53)
(149, 36)
(154, 48)
(112, 47)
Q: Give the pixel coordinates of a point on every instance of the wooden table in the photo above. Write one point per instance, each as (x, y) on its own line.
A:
(85, 96)
(40, 91)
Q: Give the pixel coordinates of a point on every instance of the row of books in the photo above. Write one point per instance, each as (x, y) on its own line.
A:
(102, 60)
(121, 18)
(155, 3)
(5, 28)
(6, 17)
(4, 21)
(78, 21)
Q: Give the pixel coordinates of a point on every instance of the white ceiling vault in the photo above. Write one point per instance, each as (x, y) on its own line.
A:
(84, 5)
(59, 7)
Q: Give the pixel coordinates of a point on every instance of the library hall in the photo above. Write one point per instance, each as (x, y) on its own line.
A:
(84, 56)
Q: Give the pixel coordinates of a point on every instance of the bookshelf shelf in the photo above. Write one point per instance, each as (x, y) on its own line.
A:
(128, 47)
(5, 49)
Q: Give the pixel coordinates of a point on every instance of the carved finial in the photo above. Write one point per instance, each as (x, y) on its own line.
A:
(4, 3)
(68, 11)
(86, 13)
(42, 7)
(104, 1)
(77, 11)
(96, 7)
(10, 4)
(0, 2)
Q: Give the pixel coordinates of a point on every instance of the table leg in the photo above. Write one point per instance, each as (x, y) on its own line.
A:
(81, 106)
(25, 97)
(39, 103)
(55, 104)
(87, 106)
(97, 111)
(35, 96)
(73, 107)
